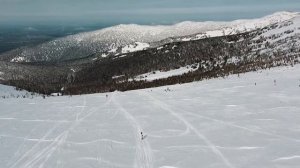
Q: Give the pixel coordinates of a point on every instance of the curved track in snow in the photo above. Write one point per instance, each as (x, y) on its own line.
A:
(219, 123)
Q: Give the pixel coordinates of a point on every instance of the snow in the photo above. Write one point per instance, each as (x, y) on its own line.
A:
(294, 27)
(118, 76)
(117, 56)
(159, 48)
(11, 92)
(110, 39)
(1, 75)
(287, 158)
(56, 94)
(136, 47)
(104, 55)
(283, 36)
(113, 50)
(19, 59)
(240, 26)
(186, 39)
(220, 123)
(122, 56)
(165, 74)
(233, 60)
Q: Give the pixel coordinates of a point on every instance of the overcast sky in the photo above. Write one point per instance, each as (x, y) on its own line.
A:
(138, 11)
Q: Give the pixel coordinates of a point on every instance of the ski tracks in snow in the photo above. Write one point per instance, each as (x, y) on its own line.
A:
(34, 151)
(144, 156)
(190, 126)
(37, 157)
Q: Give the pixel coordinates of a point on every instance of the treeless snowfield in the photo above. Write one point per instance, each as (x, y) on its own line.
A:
(219, 123)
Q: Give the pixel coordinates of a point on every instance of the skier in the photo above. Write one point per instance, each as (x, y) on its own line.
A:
(142, 136)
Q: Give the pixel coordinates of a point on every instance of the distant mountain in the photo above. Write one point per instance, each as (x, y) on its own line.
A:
(249, 45)
(110, 40)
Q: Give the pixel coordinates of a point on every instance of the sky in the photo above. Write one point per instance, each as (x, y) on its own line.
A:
(138, 11)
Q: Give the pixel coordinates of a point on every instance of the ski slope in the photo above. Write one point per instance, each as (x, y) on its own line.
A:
(246, 121)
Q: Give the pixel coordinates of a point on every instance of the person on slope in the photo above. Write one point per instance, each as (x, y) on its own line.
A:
(142, 136)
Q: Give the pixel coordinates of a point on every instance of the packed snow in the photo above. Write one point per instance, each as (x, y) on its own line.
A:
(243, 121)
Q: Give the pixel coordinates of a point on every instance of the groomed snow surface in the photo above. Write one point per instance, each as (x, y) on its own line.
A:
(250, 121)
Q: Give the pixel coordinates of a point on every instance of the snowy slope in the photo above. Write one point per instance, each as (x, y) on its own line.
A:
(165, 74)
(11, 92)
(219, 123)
(240, 26)
(109, 39)
(282, 37)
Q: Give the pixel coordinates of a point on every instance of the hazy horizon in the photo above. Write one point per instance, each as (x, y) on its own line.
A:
(30, 22)
(136, 11)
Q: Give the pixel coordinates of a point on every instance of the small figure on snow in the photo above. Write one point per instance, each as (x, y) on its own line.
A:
(106, 96)
(142, 136)
(167, 90)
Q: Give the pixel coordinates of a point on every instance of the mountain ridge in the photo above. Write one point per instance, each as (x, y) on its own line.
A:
(107, 39)
(175, 60)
